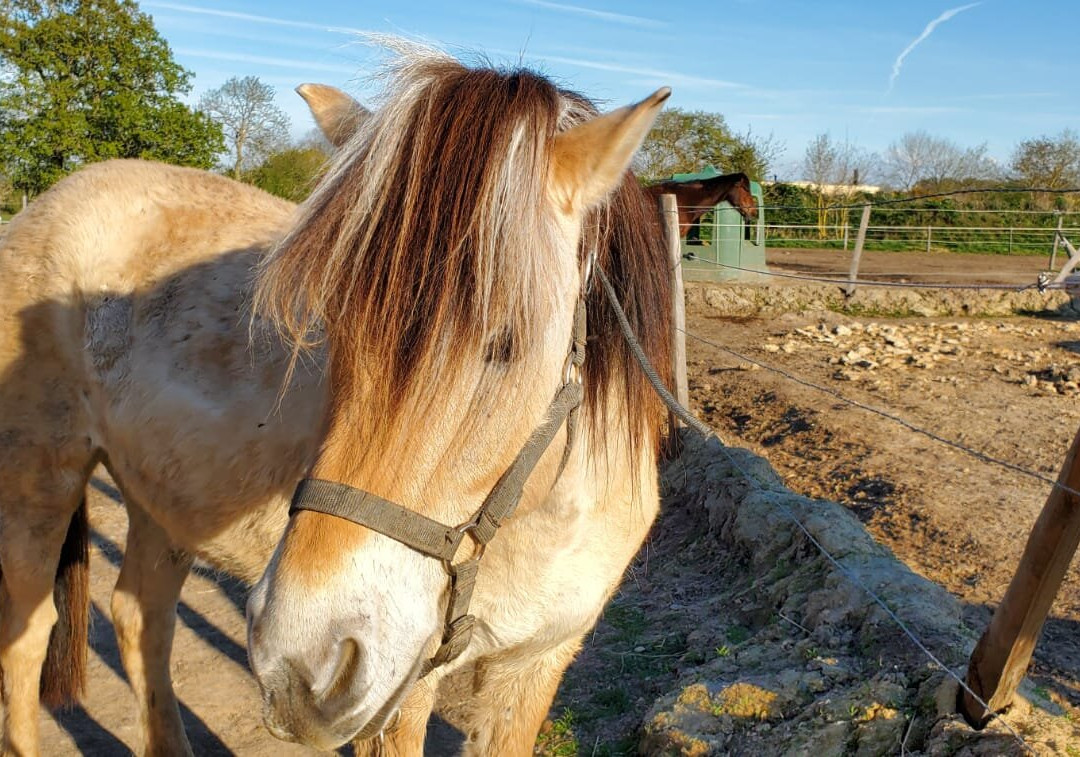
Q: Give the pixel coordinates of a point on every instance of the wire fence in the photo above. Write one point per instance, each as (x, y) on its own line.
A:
(1007, 240)
(1035, 236)
(1031, 235)
(913, 428)
(776, 496)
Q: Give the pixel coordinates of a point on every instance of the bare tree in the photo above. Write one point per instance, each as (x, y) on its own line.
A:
(921, 158)
(835, 169)
(254, 127)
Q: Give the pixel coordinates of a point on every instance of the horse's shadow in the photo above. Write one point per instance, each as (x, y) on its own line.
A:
(93, 738)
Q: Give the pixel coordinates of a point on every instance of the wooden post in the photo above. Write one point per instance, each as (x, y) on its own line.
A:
(860, 240)
(1002, 655)
(670, 212)
(846, 227)
(1010, 240)
(1057, 237)
(928, 232)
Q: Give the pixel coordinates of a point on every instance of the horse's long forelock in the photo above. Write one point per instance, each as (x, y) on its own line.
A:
(429, 237)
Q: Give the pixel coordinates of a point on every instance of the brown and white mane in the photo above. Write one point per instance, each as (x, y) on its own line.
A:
(383, 241)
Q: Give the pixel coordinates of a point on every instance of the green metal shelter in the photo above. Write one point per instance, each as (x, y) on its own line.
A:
(727, 239)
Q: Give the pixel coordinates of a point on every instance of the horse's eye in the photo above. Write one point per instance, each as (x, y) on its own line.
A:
(501, 348)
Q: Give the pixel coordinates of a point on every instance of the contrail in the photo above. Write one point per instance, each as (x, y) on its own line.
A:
(925, 33)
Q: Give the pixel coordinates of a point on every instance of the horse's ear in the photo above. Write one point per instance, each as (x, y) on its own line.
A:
(337, 115)
(589, 160)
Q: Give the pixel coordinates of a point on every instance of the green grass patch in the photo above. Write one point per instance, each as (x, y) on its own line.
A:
(737, 634)
(627, 620)
(557, 739)
(609, 702)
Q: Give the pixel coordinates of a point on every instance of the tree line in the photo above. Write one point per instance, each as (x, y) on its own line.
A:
(920, 163)
(88, 80)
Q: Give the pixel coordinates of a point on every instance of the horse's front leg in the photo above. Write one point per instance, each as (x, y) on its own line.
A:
(512, 694)
(404, 735)
(144, 613)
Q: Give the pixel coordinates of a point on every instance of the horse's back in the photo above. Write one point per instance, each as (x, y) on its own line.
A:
(130, 284)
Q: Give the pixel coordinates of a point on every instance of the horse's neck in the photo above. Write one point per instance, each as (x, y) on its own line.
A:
(712, 195)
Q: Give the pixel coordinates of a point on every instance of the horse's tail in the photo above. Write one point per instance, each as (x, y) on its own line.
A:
(63, 677)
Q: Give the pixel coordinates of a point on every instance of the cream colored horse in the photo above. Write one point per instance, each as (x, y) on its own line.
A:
(439, 305)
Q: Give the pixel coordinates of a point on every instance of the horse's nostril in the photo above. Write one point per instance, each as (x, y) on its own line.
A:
(341, 683)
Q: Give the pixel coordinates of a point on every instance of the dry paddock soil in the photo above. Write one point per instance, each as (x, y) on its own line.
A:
(1005, 386)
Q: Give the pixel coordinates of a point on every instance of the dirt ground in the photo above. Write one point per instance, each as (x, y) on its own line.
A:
(1005, 387)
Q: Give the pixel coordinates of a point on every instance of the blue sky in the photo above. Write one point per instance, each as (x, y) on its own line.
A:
(994, 71)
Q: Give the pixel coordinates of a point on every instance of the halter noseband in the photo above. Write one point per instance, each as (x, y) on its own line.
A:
(429, 537)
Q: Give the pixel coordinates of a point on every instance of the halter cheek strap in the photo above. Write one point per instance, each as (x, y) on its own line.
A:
(429, 537)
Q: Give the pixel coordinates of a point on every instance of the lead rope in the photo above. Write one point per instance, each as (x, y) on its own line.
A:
(646, 366)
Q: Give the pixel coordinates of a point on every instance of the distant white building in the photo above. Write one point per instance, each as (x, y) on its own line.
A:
(831, 189)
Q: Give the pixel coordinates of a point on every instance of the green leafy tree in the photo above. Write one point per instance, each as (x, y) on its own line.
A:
(254, 127)
(1052, 162)
(88, 80)
(685, 141)
(7, 196)
(290, 173)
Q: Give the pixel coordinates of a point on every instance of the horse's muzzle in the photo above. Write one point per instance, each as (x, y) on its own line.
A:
(322, 714)
(317, 696)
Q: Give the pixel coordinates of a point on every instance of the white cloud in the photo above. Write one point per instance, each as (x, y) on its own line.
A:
(182, 8)
(669, 77)
(619, 18)
(299, 65)
(925, 110)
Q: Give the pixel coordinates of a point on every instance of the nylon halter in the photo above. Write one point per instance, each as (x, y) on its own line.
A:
(434, 539)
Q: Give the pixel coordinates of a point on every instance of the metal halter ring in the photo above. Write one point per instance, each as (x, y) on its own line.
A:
(571, 372)
(479, 547)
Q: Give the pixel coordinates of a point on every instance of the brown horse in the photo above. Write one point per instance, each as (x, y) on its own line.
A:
(696, 198)
(403, 332)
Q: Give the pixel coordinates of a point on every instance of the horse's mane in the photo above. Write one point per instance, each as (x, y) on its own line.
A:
(668, 186)
(398, 263)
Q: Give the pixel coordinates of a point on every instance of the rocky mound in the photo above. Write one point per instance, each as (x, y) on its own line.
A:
(757, 300)
(817, 667)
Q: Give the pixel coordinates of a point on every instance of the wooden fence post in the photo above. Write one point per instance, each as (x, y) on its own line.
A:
(1002, 655)
(860, 240)
(669, 210)
(928, 234)
(1057, 237)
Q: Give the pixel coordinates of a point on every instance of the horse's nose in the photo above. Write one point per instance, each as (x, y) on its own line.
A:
(313, 699)
(343, 684)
